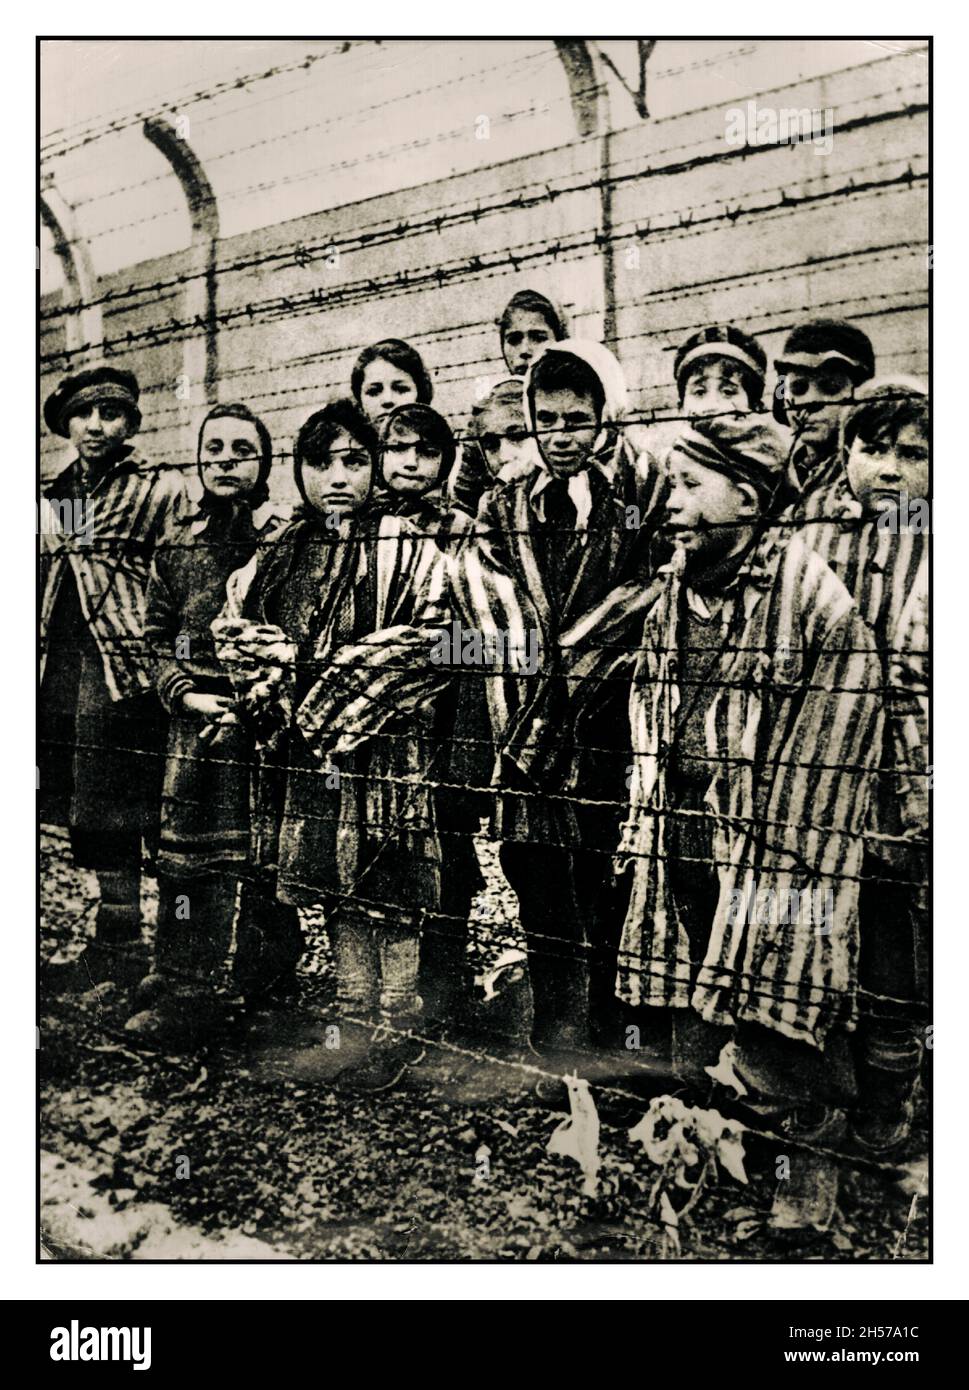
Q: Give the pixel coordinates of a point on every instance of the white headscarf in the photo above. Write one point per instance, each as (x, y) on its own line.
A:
(610, 374)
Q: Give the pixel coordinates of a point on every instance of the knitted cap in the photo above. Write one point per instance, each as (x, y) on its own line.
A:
(86, 388)
(745, 450)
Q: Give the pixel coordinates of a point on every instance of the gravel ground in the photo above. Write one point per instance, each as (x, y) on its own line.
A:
(244, 1150)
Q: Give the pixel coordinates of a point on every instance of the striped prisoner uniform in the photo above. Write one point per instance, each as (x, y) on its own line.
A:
(101, 723)
(792, 727)
(128, 508)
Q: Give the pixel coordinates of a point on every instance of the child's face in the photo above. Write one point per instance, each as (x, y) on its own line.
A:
(566, 425)
(502, 435)
(523, 339)
(881, 468)
(815, 404)
(98, 431)
(705, 509)
(715, 387)
(410, 464)
(230, 455)
(384, 387)
(340, 482)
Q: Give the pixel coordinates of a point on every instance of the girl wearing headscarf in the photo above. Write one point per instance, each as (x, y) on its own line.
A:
(350, 830)
(755, 716)
(528, 323)
(205, 798)
(498, 447)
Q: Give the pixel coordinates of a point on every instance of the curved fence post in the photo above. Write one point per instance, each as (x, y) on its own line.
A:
(201, 352)
(83, 329)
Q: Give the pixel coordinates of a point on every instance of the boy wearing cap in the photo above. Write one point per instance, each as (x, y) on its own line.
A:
(818, 372)
(754, 713)
(101, 745)
(878, 544)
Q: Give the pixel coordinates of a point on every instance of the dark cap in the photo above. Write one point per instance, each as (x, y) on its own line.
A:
(811, 346)
(821, 343)
(87, 387)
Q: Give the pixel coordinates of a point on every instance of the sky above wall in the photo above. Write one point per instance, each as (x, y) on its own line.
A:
(287, 128)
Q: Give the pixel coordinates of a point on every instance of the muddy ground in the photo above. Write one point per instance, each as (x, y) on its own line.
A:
(244, 1149)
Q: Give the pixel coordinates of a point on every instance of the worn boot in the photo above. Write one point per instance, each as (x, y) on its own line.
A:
(150, 989)
(882, 1120)
(183, 1017)
(391, 1055)
(807, 1198)
(117, 952)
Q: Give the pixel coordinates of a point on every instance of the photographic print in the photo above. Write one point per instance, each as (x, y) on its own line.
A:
(483, 606)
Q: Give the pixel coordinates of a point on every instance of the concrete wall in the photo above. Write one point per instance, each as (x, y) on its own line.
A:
(703, 231)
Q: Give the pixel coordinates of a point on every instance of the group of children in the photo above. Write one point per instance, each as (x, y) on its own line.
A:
(693, 710)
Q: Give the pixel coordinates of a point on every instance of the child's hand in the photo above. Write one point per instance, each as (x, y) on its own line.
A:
(209, 707)
(212, 732)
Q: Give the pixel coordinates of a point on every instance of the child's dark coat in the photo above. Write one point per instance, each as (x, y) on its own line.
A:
(205, 799)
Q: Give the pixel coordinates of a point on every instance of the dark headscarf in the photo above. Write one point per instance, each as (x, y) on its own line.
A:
(218, 506)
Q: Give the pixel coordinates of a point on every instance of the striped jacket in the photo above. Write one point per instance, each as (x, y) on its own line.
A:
(498, 587)
(792, 730)
(321, 839)
(819, 488)
(908, 684)
(886, 572)
(355, 694)
(125, 514)
(496, 590)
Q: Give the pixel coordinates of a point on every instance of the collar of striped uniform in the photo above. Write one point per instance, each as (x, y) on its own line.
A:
(810, 469)
(756, 570)
(579, 490)
(129, 460)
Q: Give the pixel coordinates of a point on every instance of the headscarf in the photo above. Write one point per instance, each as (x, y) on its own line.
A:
(209, 504)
